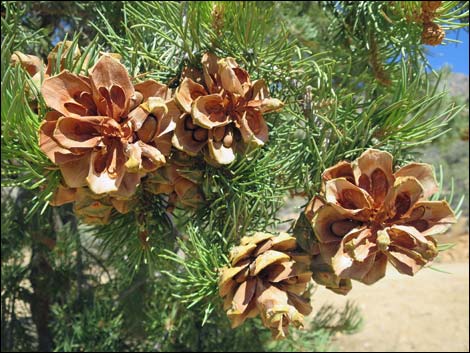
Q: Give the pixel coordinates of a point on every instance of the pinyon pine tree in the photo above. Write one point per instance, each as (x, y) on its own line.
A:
(147, 148)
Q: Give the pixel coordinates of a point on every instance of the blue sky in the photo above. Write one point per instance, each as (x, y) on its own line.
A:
(455, 55)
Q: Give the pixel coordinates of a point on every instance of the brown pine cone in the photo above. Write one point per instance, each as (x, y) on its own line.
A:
(266, 277)
(432, 34)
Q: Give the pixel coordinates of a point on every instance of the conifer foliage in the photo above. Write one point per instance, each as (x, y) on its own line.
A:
(146, 154)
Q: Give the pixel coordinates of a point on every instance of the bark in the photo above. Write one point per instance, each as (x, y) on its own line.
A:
(41, 278)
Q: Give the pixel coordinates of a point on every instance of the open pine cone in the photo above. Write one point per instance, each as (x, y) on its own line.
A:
(371, 215)
(266, 278)
(432, 34)
(429, 9)
(223, 110)
(180, 180)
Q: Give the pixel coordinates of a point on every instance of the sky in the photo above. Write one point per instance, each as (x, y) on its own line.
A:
(455, 55)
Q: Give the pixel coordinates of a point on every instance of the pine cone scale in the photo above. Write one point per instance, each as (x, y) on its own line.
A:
(266, 279)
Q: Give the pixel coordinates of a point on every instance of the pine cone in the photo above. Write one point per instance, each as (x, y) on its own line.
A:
(432, 34)
(430, 6)
(91, 208)
(323, 273)
(223, 111)
(428, 10)
(180, 180)
(372, 216)
(266, 277)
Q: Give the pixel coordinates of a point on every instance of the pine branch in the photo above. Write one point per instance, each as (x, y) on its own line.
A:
(195, 274)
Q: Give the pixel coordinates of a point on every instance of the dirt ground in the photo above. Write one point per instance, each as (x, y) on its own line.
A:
(428, 312)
